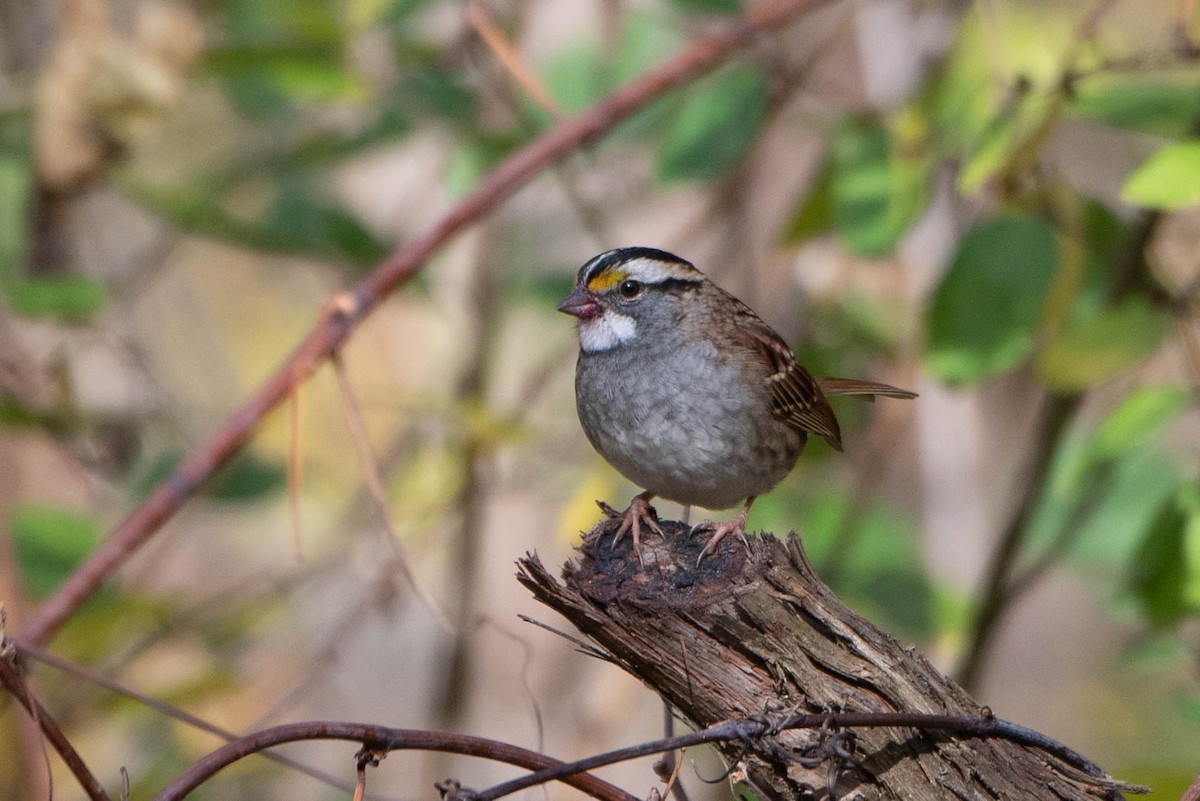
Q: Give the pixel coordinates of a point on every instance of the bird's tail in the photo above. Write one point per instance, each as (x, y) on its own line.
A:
(853, 386)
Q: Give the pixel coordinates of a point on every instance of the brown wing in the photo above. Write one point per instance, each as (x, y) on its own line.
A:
(796, 396)
(853, 386)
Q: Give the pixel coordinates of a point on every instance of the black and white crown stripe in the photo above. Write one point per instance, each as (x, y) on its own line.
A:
(648, 265)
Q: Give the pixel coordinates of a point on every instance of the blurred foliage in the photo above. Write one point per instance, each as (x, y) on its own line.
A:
(1168, 180)
(986, 310)
(715, 127)
(1045, 281)
(247, 477)
(50, 541)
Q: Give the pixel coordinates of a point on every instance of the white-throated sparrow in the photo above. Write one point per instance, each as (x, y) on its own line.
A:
(687, 392)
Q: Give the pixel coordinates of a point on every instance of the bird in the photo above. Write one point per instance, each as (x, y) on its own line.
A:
(686, 391)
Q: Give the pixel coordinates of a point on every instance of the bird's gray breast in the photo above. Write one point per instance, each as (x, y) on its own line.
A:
(684, 422)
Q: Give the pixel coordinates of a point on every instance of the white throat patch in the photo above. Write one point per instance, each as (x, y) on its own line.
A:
(606, 331)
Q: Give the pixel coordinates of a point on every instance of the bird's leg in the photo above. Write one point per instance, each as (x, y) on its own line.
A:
(721, 530)
(639, 514)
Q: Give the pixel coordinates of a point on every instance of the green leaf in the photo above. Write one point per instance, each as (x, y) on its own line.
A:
(1094, 347)
(987, 154)
(248, 477)
(307, 81)
(15, 185)
(984, 114)
(50, 542)
(1160, 569)
(295, 223)
(743, 792)
(269, 57)
(960, 100)
(814, 213)
(986, 310)
(66, 297)
(1170, 179)
(577, 78)
(876, 195)
(469, 163)
(1139, 417)
(434, 90)
(1189, 501)
(586, 72)
(305, 20)
(1160, 108)
(298, 216)
(1121, 498)
(710, 6)
(316, 149)
(265, 78)
(395, 12)
(716, 125)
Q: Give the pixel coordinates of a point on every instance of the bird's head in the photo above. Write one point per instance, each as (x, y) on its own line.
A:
(621, 288)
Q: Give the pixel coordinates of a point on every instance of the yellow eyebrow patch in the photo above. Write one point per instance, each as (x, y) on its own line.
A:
(607, 279)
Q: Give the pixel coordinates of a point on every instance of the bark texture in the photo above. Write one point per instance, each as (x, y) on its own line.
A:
(753, 629)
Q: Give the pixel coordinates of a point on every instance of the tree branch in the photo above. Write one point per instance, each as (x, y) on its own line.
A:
(345, 312)
(752, 629)
(996, 598)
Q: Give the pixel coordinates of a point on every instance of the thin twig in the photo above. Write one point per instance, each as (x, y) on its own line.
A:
(373, 477)
(585, 648)
(14, 682)
(667, 767)
(512, 62)
(341, 320)
(526, 668)
(749, 729)
(674, 788)
(380, 739)
(295, 465)
(1096, 489)
(591, 218)
(173, 712)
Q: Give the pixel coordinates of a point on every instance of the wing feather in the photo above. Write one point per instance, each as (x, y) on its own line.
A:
(796, 396)
(853, 386)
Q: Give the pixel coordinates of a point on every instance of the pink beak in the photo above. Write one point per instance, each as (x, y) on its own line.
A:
(580, 303)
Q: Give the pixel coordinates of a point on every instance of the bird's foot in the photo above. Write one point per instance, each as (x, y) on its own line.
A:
(719, 532)
(640, 515)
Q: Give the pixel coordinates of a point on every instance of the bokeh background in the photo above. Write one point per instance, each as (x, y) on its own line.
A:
(990, 202)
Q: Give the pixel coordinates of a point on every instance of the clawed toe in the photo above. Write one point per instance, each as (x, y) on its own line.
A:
(719, 532)
(640, 515)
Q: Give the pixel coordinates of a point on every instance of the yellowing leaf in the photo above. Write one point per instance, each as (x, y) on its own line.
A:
(1093, 349)
(1170, 179)
(1139, 417)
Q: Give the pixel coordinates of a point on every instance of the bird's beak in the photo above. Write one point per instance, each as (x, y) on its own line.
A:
(580, 303)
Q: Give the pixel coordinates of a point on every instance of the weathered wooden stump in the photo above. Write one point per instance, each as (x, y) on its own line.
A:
(753, 629)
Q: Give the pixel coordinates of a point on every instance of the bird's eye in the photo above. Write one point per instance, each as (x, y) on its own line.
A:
(631, 289)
